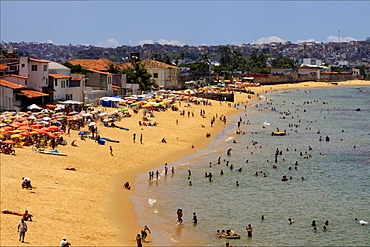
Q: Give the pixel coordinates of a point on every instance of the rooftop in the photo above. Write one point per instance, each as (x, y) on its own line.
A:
(32, 93)
(11, 85)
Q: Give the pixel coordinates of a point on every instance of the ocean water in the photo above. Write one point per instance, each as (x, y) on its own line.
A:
(336, 184)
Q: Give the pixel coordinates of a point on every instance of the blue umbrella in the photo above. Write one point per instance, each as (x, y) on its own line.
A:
(84, 132)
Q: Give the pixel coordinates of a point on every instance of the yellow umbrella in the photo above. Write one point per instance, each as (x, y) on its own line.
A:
(2, 137)
(15, 136)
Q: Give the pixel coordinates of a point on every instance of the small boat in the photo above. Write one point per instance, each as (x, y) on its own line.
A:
(278, 133)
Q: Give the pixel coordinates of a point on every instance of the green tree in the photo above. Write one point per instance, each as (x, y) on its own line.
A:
(137, 74)
(113, 68)
(225, 55)
(75, 69)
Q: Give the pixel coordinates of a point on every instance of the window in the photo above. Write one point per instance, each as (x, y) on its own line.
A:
(23, 65)
(69, 96)
(56, 82)
(67, 83)
(155, 75)
(34, 68)
(45, 68)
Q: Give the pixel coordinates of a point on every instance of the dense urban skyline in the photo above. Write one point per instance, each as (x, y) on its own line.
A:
(115, 23)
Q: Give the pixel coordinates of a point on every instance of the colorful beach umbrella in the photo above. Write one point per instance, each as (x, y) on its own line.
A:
(9, 142)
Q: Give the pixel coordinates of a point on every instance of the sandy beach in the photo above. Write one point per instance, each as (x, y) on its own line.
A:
(89, 205)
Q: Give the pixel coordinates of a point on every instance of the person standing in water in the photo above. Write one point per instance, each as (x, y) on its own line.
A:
(249, 230)
(195, 219)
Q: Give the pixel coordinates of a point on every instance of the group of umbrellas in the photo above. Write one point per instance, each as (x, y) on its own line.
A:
(19, 125)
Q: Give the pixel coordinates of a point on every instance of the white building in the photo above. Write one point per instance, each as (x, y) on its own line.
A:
(36, 70)
(312, 61)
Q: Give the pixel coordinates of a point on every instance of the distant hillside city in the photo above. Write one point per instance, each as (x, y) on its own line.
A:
(352, 54)
(47, 74)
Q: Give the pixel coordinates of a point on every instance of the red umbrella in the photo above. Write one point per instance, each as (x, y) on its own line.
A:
(58, 133)
(26, 134)
(9, 142)
(24, 128)
(53, 127)
(36, 126)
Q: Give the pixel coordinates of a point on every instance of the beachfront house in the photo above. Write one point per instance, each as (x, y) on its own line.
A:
(164, 75)
(36, 70)
(9, 95)
(63, 85)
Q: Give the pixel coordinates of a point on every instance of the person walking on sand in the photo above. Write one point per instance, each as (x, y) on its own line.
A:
(144, 234)
(134, 137)
(111, 150)
(64, 243)
(22, 229)
(141, 138)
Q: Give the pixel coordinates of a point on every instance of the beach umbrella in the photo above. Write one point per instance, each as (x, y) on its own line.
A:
(88, 105)
(34, 132)
(58, 133)
(24, 128)
(53, 127)
(16, 136)
(2, 137)
(9, 142)
(25, 134)
(124, 109)
(83, 132)
(72, 113)
(92, 123)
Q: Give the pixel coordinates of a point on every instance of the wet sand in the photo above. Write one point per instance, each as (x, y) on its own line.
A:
(89, 206)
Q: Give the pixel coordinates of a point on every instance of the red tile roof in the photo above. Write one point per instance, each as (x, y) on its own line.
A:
(32, 93)
(38, 60)
(59, 76)
(17, 76)
(114, 86)
(100, 72)
(76, 78)
(11, 85)
(101, 68)
(92, 63)
(3, 66)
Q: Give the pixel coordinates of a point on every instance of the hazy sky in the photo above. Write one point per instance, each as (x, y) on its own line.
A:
(191, 22)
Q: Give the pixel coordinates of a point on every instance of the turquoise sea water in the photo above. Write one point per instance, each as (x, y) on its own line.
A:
(336, 185)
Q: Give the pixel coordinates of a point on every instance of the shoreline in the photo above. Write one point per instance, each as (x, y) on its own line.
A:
(89, 206)
(162, 160)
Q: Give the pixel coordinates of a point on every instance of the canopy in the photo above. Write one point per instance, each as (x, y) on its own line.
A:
(71, 102)
(34, 107)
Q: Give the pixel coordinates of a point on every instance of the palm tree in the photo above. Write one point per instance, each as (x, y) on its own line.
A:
(137, 74)
(113, 68)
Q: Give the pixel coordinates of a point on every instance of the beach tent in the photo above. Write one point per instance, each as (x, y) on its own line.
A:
(34, 107)
(109, 101)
